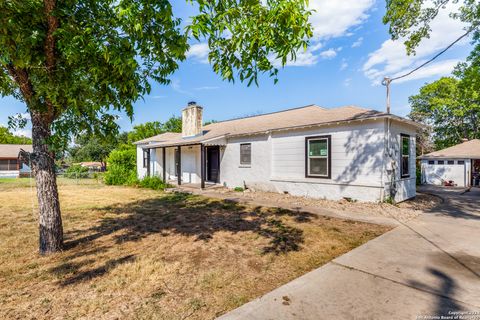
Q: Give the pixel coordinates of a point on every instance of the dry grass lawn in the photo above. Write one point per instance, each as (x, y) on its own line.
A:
(143, 254)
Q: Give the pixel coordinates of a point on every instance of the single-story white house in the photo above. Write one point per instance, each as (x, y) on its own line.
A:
(10, 165)
(346, 152)
(460, 164)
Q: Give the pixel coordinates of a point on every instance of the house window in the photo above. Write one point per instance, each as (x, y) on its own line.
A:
(405, 164)
(146, 157)
(431, 162)
(246, 154)
(318, 157)
(8, 164)
(462, 162)
(440, 162)
(3, 164)
(450, 162)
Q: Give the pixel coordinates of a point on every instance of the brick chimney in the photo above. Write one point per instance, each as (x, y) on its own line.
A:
(192, 120)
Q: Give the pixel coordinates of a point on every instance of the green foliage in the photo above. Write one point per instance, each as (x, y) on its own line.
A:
(76, 172)
(106, 53)
(411, 19)
(6, 137)
(238, 189)
(121, 167)
(154, 183)
(150, 129)
(451, 105)
(88, 148)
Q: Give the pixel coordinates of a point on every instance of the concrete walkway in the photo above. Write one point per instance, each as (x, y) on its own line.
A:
(429, 266)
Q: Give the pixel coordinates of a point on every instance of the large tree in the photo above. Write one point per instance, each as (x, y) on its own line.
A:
(451, 105)
(411, 19)
(72, 62)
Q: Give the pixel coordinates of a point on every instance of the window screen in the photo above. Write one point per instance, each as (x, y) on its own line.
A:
(405, 160)
(246, 153)
(318, 157)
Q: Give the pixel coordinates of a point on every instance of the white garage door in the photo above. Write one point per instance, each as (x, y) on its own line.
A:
(436, 171)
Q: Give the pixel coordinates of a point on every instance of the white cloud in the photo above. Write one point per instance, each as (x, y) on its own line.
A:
(175, 84)
(328, 54)
(333, 19)
(391, 58)
(22, 132)
(347, 82)
(442, 68)
(357, 43)
(344, 65)
(207, 88)
(199, 52)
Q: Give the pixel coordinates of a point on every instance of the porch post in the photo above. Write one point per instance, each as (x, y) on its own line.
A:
(164, 169)
(202, 161)
(179, 173)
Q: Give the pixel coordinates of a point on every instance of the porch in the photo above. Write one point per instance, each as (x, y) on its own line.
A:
(190, 165)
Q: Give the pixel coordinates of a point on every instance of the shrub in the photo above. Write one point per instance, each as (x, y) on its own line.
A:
(76, 172)
(121, 169)
(238, 189)
(154, 183)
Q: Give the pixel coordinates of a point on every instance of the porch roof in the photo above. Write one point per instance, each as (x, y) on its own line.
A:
(308, 116)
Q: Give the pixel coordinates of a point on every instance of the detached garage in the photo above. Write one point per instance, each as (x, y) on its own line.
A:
(459, 165)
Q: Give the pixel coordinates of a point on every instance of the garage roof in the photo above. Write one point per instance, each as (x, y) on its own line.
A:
(466, 150)
(11, 151)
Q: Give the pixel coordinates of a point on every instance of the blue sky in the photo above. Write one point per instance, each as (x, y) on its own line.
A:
(350, 54)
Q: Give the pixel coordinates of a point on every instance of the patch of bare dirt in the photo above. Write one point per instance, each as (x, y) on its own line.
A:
(403, 211)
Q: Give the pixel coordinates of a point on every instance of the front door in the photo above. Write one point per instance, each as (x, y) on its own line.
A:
(213, 164)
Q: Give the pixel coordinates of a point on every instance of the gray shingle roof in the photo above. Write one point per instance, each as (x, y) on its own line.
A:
(310, 115)
(12, 150)
(466, 150)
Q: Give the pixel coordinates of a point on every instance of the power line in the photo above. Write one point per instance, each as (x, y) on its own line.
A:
(436, 56)
(387, 81)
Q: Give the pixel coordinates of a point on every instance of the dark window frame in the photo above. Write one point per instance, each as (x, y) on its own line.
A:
(450, 162)
(242, 154)
(441, 162)
(402, 173)
(329, 157)
(461, 162)
(431, 161)
(146, 157)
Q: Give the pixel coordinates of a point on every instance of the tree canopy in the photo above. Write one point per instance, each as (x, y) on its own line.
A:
(73, 62)
(6, 137)
(451, 105)
(150, 129)
(411, 19)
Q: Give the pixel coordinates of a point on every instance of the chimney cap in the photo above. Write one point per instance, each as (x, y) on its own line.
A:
(192, 103)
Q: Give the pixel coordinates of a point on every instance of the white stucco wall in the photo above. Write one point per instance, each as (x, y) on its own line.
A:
(256, 175)
(405, 187)
(358, 163)
(436, 173)
(141, 171)
(9, 173)
(278, 163)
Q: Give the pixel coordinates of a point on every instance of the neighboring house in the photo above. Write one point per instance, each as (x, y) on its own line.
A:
(10, 165)
(346, 152)
(460, 164)
(93, 166)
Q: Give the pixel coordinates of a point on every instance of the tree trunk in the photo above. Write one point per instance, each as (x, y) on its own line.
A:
(43, 166)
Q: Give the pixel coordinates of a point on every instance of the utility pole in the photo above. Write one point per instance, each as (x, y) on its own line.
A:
(386, 82)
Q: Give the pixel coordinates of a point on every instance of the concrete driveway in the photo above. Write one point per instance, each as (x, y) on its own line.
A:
(425, 268)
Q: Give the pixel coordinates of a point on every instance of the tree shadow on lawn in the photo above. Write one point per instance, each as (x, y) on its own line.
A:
(187, 215)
